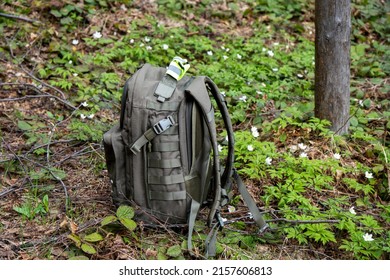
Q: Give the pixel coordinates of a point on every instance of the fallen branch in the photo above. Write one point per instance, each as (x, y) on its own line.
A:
(18, 17)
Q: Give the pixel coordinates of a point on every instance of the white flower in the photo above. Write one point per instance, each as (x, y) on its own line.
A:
(268, 161)
(148, 48)
(227, 50)
(165, 47)
(223, 93)
(84, 104)
(270, 53)
(210, 53)
(97, 35)
(147, 39)
(352, 210)
(368, 237)
(223, 47)
(275, 69)
(250, 148)
(243, 98)
(239, 56)
(219, 148)
(302, 146)
(259, 92)
(337, 156)
(368, 175)
(276, 44)
(255, 132)
(303, 155)
(131, 41)
(293, 148)
(300, 76)
(75, 74)
(91, 116)
(263, 49)
(70, 62)
(225, 57)
(75, 42)
(231, 209)
(82, 116)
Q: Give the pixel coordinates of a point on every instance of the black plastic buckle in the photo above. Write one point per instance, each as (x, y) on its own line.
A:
(163, 125)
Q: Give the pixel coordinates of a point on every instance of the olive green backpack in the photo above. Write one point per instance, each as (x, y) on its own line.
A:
(162, 156)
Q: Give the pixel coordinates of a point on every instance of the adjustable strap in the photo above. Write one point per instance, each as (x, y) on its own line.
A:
(176, 70)
(191, 222)
(211, 241)
(250, 203)
(152, 132)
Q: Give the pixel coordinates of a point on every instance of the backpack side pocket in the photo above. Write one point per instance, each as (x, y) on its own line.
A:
(115, 153)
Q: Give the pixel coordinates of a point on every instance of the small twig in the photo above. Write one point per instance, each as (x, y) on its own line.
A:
(43, 83)
(303, 222)
(19, 160)
(35, 89)
(18, 17)
(54, 176)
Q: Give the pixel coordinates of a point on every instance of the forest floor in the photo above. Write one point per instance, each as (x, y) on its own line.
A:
(54, 188)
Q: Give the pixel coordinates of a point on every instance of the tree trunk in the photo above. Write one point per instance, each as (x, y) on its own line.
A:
(332, 62)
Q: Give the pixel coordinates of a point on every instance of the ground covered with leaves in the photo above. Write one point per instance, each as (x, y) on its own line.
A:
(62, 68)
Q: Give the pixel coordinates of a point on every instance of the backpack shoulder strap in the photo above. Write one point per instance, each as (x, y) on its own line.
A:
(230, 171)
(198, 90)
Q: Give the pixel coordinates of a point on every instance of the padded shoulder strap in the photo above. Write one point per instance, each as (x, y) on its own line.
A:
(199, 89)
(228, 171)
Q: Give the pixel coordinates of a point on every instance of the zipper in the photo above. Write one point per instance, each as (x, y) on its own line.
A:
(189, 132)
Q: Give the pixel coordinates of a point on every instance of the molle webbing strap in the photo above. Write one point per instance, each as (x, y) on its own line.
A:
(165, 147)
(166, 106)
(152, 132)
(164, 163)
(159, 195)
(165, 180)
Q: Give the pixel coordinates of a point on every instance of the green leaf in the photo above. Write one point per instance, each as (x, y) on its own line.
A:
(125, 211)
(93, 237)
(354, 121)
(75, 239)
(174, 251)
(79, 258)
(56, 13)
(88, 248)
(108, 220)
(25, 211)
(128, 223)
(24, 125)
(58, 173)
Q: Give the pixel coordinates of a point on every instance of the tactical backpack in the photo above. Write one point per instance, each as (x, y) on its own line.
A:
(162, 156)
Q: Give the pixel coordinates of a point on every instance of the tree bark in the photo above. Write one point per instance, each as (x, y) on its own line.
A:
(332, 62)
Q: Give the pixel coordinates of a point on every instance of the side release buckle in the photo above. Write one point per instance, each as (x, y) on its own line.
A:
(163, 125)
